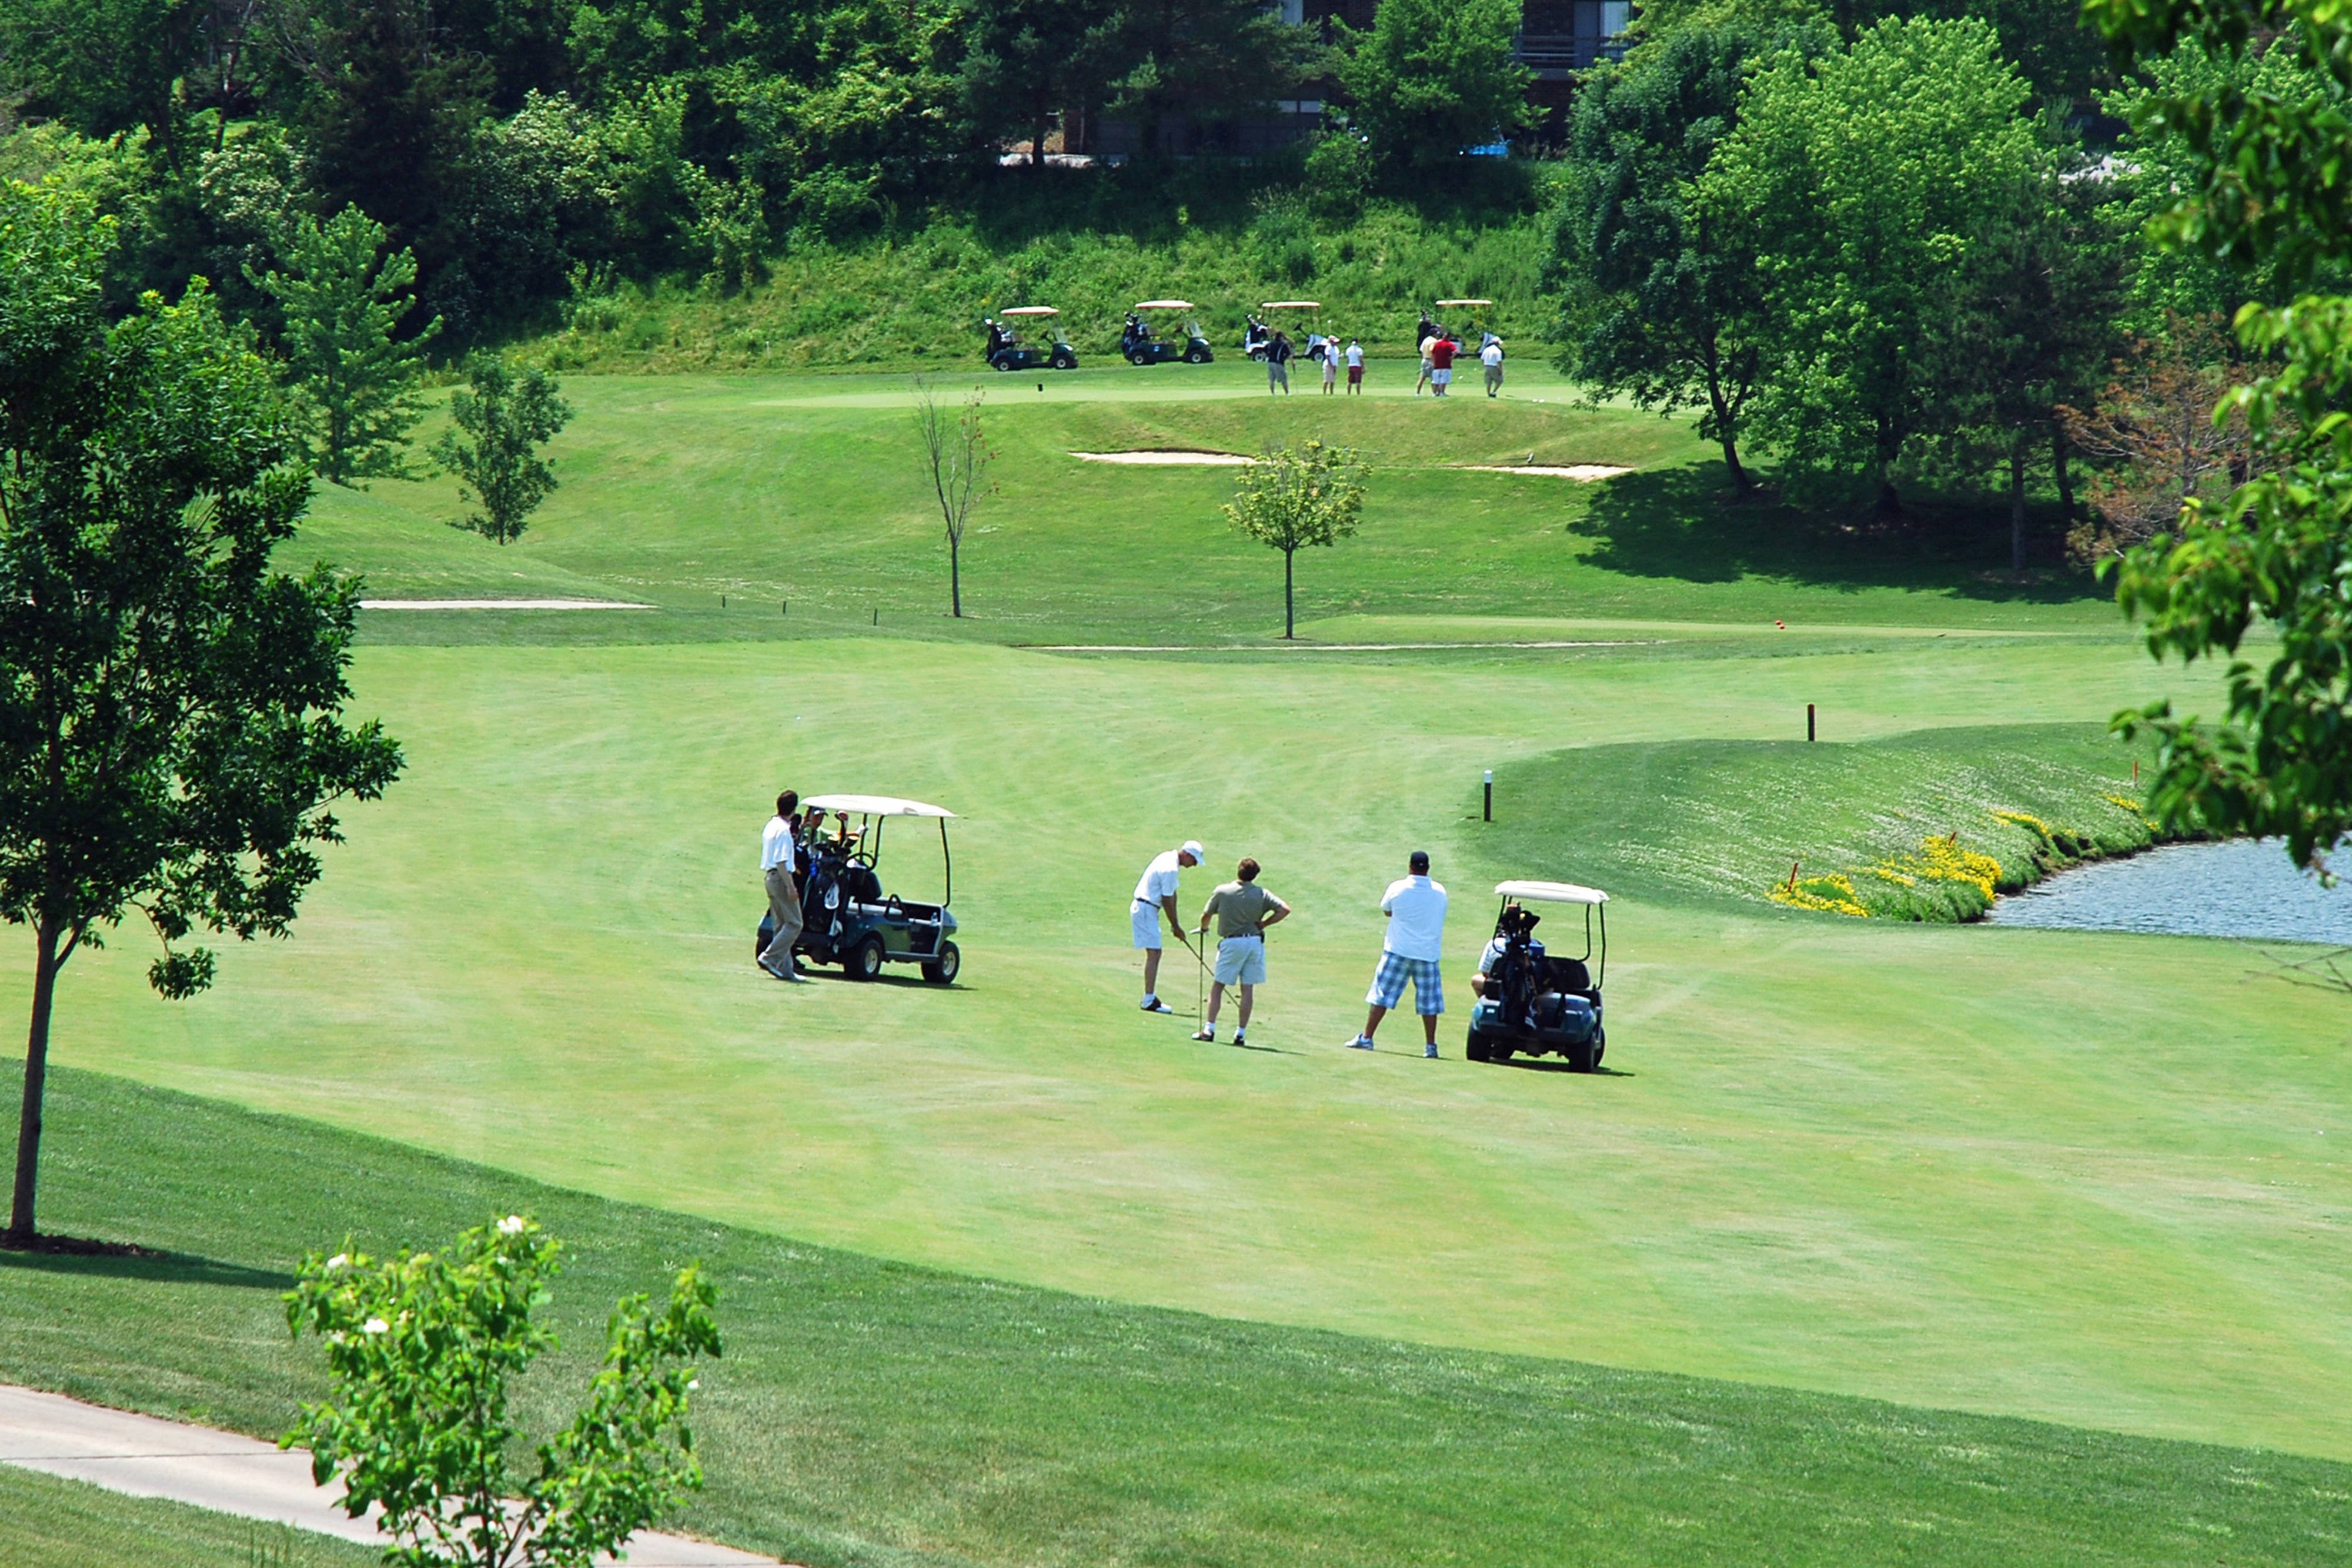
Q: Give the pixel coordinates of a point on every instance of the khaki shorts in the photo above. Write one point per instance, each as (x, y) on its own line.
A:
(1241, 961)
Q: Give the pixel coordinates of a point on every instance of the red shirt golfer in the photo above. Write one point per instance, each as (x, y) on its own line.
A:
(1441, 364)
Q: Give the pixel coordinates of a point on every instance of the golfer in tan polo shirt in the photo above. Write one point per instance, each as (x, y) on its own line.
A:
(1243, 911)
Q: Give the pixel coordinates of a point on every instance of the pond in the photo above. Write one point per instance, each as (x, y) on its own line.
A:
(2241, 887)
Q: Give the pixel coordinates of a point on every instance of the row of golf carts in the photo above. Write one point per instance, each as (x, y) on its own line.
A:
(1157, 331)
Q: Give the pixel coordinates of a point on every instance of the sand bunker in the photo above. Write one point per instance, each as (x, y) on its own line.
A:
(1171, 457)
(498, 604)
(1587, 471)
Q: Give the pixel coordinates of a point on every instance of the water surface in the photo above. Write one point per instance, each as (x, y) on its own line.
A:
(2242, 887)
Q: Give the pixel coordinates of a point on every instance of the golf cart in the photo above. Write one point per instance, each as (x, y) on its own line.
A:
(1536, 1002)
(850, 920)
(1308, 345)
(1007, 351)
(1464, 335)
(1142, 346)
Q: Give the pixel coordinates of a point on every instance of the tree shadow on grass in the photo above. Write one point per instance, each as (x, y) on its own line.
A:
(156, 1267)
(1684, 523)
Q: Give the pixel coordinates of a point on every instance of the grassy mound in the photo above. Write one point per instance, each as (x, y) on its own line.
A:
(919, 301)
(874, 1413)
(1925, 826)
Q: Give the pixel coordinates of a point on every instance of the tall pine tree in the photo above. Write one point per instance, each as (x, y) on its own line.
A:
(355, 376)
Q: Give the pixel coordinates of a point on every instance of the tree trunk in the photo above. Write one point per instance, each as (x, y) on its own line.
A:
(1290, 619)
(2065, 473)
(1889, 503)
(1741, 483)
(2017, 503)
(36, 1071)
(955, 576)
(1037, 141)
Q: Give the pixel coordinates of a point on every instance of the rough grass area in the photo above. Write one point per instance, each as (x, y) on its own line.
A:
(1925, 826)
(875, 1413)
(46, 1523)
(919, 301)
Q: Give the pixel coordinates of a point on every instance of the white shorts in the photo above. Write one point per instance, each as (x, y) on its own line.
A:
(1241, 961)
(1441, 378)
(1147, 926)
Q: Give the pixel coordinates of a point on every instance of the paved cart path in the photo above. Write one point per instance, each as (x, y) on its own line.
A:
(230, 1473)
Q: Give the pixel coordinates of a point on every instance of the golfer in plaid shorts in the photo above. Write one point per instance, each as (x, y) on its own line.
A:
(1416, 910)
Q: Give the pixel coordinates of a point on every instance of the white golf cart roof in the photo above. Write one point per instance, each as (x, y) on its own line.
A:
(1164, 305)
(1292, 305)
(1550, 891)
(1029, 310)
(1450, 304)
(875, 806)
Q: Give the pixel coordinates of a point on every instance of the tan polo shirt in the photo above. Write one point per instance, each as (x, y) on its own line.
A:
(1239, 906)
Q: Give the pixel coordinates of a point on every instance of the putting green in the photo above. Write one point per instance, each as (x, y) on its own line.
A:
(2076, 1176)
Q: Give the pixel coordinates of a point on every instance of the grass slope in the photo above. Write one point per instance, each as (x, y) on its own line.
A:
(871, 1413)
(1732, 817)
(46, 1523)
(809, 490)
(1922, 1164)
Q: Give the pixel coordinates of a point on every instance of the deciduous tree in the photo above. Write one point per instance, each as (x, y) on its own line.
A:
(1291, 500)
(1430, 78)
(509, 417)
(2265, 191)
(425, 1349)
(957, 454)
(171, 729)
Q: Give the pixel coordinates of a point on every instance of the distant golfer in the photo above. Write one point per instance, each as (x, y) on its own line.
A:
(1279, 353)
(1156, 896)
(1430, 338)
(778, 861)
(1491, 356)
(1355, 369)
(1441, 364)
(1330, 366)
(1243, 910)
(1416, 910)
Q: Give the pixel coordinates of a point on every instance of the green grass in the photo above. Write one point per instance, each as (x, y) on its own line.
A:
(919, 301)
(810, 490)
(871, 1413)
(2076, 1176)
(1735, 818)
(60, 1523)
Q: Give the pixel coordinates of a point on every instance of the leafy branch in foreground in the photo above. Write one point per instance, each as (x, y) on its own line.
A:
(423, 1349)
(2267, 192)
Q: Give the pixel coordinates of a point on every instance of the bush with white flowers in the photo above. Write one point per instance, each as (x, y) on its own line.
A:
(423, 1348)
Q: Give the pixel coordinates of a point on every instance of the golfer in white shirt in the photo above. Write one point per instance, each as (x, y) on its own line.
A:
(1416, 938)
(1155, 895)
(778, 860)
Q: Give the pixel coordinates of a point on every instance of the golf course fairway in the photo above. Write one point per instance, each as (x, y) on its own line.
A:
(2089, 1180)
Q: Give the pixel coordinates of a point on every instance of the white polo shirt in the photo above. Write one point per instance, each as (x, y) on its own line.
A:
(776, 847)
(1416, 911)
(1159, 879)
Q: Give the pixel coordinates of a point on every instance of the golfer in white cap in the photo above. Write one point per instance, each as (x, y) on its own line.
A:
(1155, 895)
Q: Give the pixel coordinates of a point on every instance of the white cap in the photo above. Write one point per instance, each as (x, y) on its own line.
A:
(1192, 847)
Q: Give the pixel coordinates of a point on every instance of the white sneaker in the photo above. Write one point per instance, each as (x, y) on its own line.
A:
(1211, 1036)
(1154, 1005)
(1361, 1043)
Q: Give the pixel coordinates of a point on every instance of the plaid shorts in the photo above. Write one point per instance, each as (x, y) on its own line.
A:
(1388, 984)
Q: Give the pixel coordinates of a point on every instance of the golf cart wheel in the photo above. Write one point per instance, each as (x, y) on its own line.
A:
(1498, 1051)
(1474, 1048)
(941, 971)
(864, 962)
(1600, 1045)
(1583, 1057)
(1196, 355)
(1063, 362)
